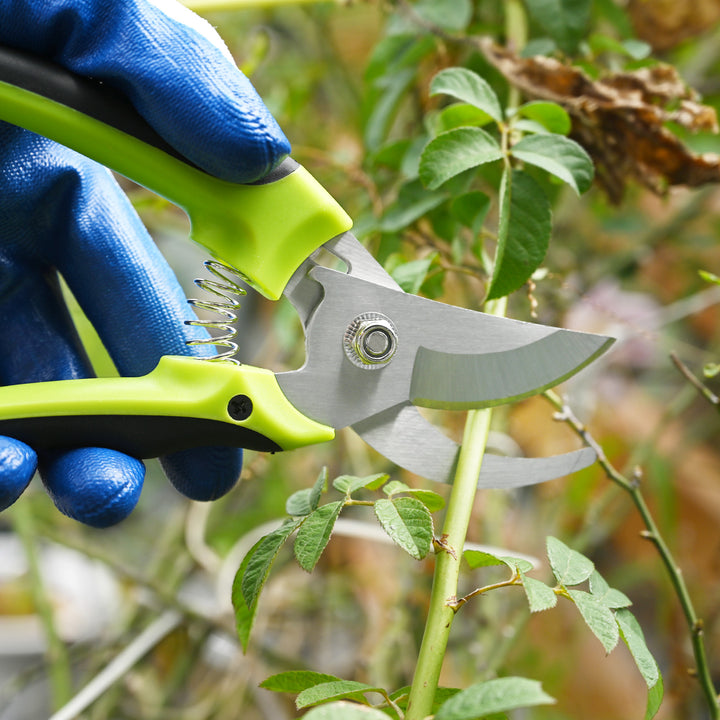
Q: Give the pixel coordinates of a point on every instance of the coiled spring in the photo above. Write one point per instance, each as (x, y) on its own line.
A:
(227, 290)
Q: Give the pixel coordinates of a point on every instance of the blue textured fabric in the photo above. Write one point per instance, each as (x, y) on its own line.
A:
(17, 465)
(60, 212)
(181, 83)
(108, 481)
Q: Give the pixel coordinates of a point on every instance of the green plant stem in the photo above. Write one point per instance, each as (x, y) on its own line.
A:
(516, 32)
(447, 568)
(514, 580)
(703, 389)
(652, 533)
(56, 654)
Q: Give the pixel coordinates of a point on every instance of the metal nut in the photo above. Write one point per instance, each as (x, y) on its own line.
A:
(370, 341)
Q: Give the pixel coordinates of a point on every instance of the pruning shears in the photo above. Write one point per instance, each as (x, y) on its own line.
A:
(374, 353)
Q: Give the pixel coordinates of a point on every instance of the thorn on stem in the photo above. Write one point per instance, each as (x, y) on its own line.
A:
(441, 544)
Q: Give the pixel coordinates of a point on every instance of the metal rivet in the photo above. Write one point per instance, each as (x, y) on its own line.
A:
(370, 341)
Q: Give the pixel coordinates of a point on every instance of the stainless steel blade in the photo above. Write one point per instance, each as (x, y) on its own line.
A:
(305, 294)
(406, 438)
(464, 358)
(457, 381)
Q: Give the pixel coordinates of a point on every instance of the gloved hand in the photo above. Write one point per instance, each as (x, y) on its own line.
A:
(60, 212)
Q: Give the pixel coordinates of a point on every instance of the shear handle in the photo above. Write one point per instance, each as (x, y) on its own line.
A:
(265, 229)
(183, 403)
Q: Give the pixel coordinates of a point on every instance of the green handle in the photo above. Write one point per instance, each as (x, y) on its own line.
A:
(183, 403)
(264, 230)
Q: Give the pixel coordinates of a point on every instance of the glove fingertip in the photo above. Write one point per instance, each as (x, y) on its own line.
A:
(18, 463)
(203, 473)
(95, 486)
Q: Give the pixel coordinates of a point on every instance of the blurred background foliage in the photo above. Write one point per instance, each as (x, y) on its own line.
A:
(348, 81)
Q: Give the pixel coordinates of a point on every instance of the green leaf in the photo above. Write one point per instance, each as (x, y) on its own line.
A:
(479, 558)
(299, 503)
(431, 500)
(539, 46)
(709, 277)
(383, 103)
(540, 596)
(569, 566)
(598, 617)
(637, 49)
(550, 115)
(333, 690)
(471, 209)
(349, 484)
(493, 696)
(455, 151)
(413, 202)
(395, 487)
(633, 637)
(260, 560)
(523, 233)
(654, 699)
(450, 15)
(314, 534)
(391, 154)
(392, 69)
(396, 53)
(295, 681)
(559, 156)
(344, 711)
(244, 615)
(468, 87)
(304, 501)
(519, 564)
(460, 115)
(411, 275)
(318, 488)
(408, 522)
(711, 370)
(524, 126)
(566, 21)
(614, 599)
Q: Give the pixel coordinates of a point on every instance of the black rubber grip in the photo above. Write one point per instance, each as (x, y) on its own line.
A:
(93, 98)
(142, 436)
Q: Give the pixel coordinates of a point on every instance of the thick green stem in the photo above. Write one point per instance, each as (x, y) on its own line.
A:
(56, 653)
(447, 568)
(516, 32)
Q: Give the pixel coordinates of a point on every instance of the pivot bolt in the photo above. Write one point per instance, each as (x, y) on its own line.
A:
(370, 341)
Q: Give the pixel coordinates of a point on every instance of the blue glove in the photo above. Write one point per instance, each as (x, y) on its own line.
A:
(61, 213)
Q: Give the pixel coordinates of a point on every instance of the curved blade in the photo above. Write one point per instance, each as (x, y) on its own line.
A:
(457, 381)
(446, 356)
(404, 436)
